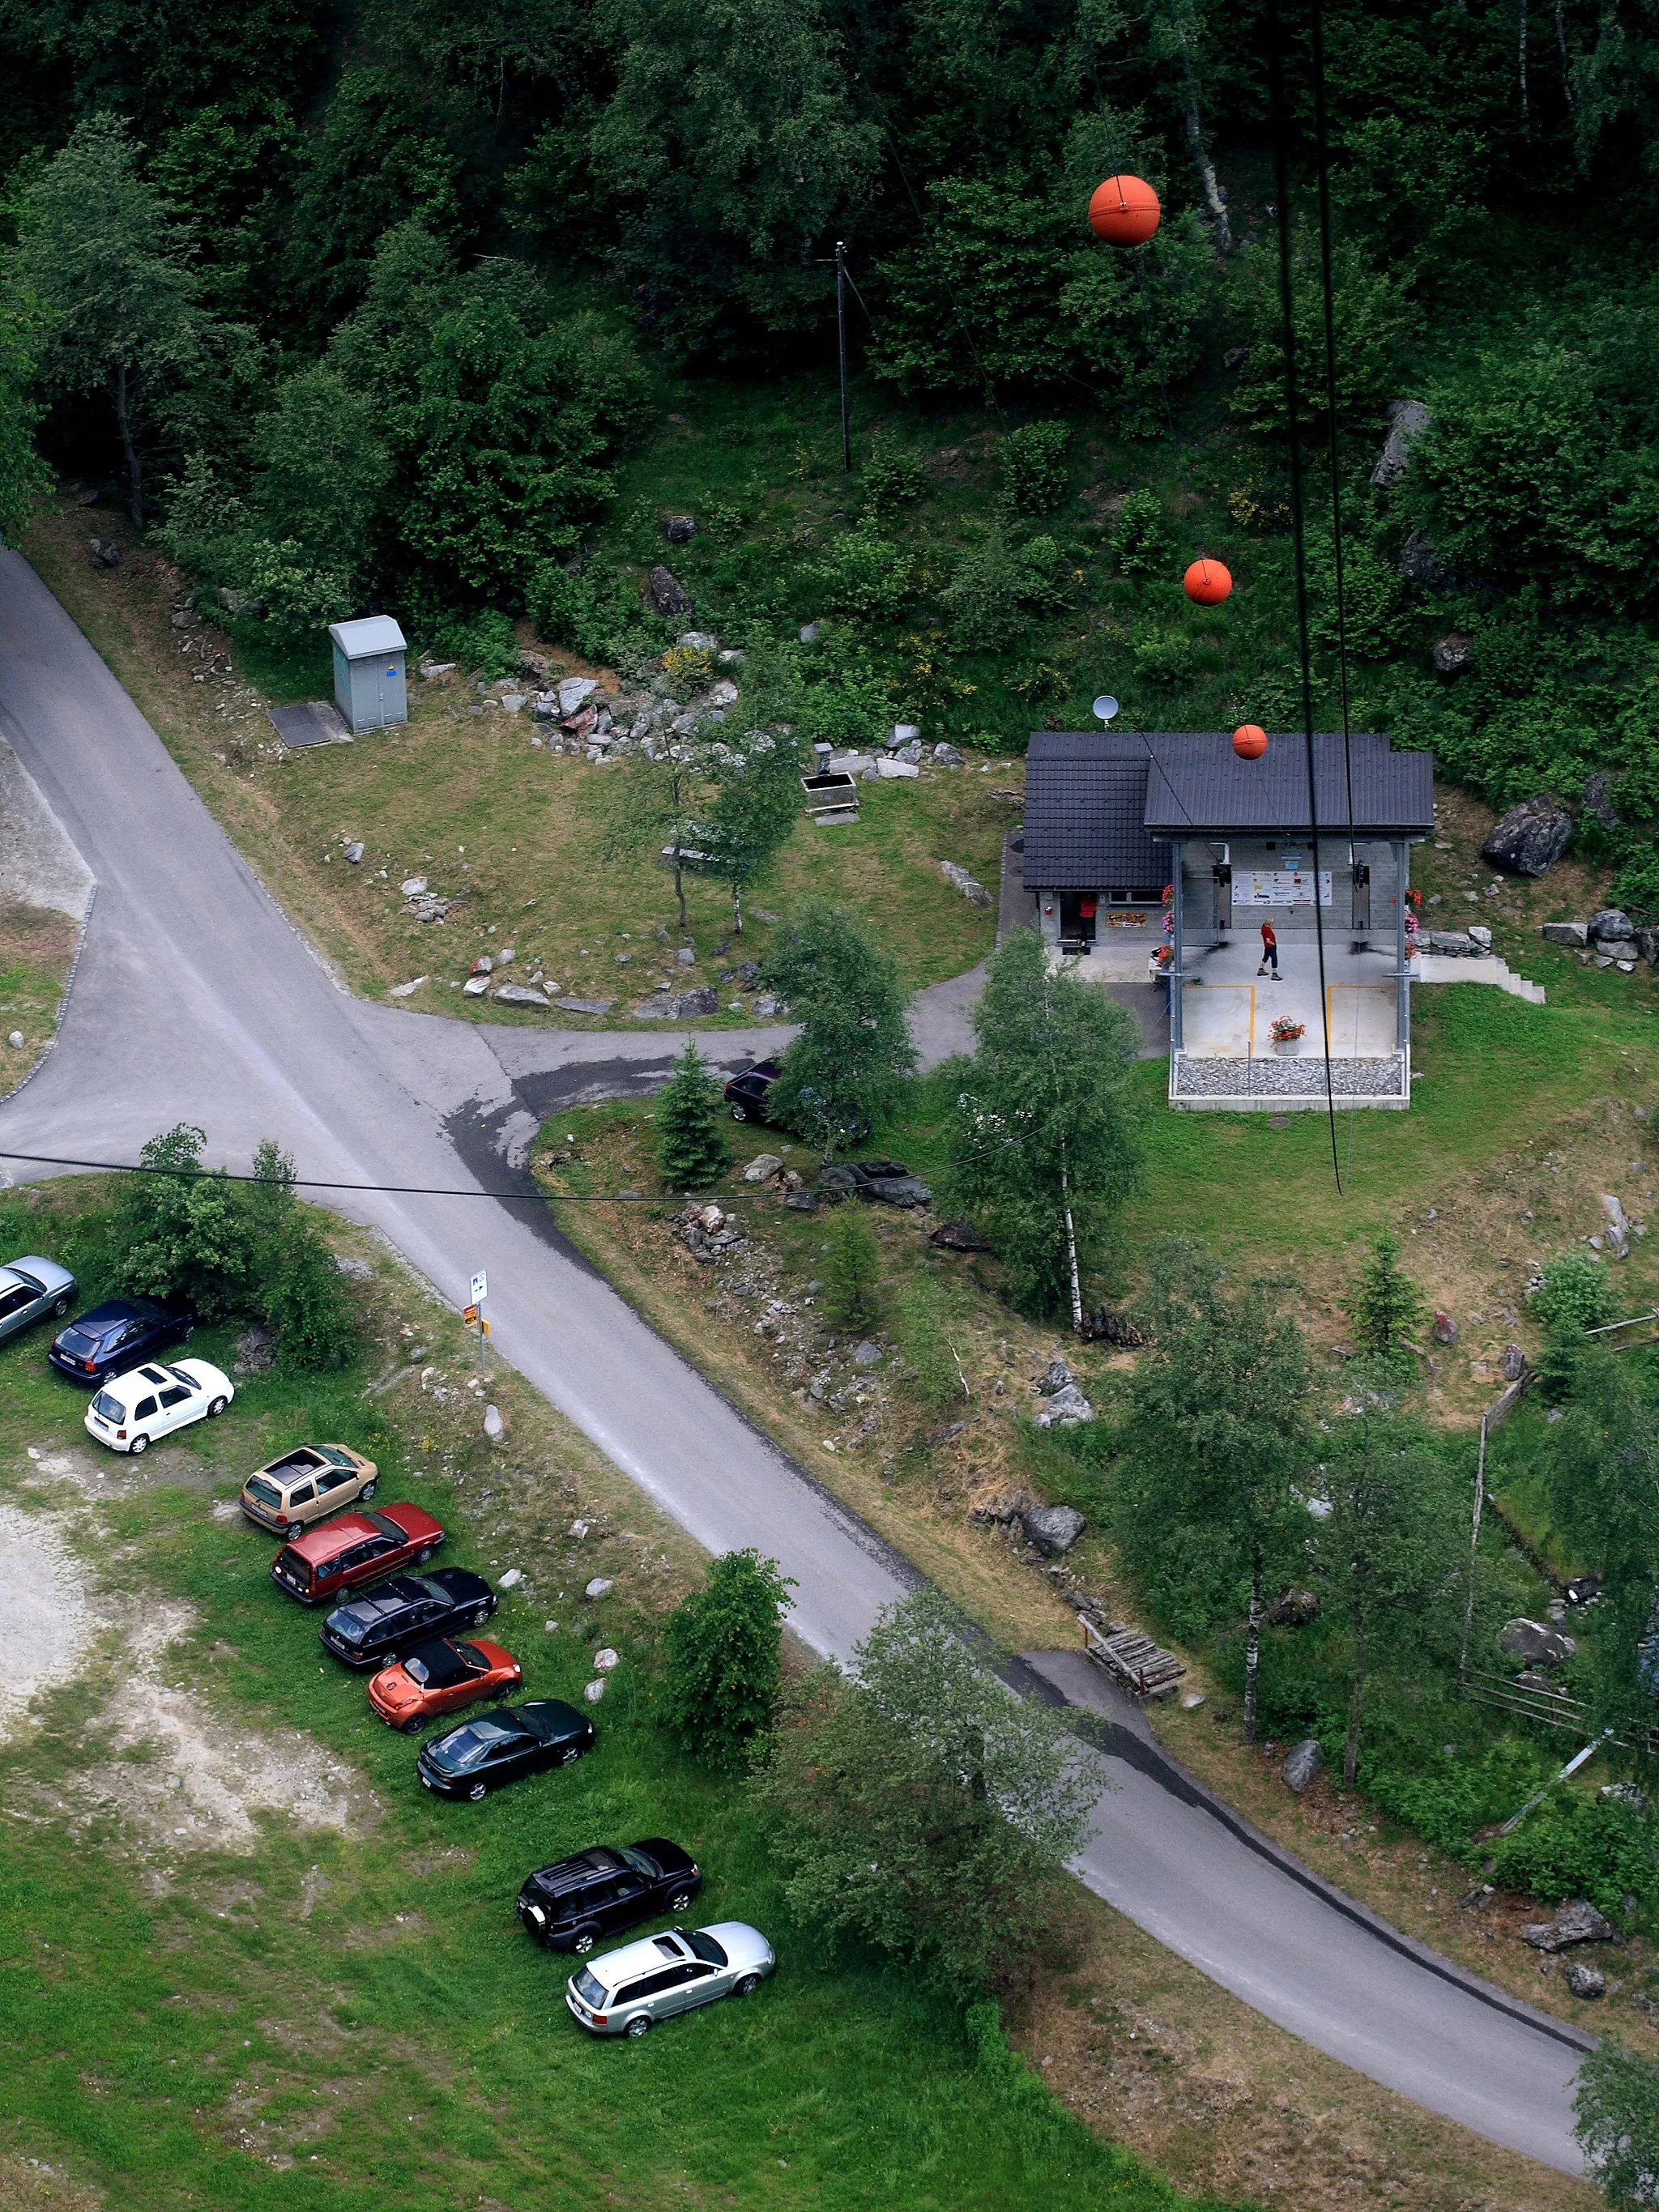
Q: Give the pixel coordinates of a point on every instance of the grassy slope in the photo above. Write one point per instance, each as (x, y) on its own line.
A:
(350, 2020)
(469, 803)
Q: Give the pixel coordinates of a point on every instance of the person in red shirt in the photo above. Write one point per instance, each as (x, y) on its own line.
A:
(1269, 952)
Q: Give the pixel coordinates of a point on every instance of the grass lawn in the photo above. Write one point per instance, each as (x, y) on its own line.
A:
(245, 1960)
(36, 948)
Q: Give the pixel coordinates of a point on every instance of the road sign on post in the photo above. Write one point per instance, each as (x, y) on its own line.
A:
(474, 1313)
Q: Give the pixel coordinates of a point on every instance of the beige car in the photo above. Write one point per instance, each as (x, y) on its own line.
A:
(305, 1486)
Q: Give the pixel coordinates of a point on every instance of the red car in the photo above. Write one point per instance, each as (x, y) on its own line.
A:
(317, 1567)
(437, 1678)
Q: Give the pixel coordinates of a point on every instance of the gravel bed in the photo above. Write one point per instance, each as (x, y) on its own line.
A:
(1298, 1078)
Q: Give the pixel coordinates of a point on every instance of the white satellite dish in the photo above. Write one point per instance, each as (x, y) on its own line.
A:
(1105, 707)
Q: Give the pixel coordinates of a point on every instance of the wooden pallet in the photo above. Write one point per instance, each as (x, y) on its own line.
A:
(1133, 1659)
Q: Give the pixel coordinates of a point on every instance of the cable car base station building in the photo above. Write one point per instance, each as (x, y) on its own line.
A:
(1111, 820)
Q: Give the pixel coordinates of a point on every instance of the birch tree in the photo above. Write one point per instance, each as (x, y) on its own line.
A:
(1044, 1136)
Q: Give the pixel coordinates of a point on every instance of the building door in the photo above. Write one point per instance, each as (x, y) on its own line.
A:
(1078, 914)
(1362, 901)
(1223, 878)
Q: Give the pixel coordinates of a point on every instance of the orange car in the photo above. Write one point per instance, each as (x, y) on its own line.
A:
(438, 1677)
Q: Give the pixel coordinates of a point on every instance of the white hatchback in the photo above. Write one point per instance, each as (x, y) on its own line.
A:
(133, 1410)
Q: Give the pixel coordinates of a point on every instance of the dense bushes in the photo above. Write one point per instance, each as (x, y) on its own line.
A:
(230, 1250)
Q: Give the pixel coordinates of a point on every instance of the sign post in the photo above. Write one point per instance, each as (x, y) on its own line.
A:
(480, 1288)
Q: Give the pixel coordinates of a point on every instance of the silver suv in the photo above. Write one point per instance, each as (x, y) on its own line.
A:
(626, 1992)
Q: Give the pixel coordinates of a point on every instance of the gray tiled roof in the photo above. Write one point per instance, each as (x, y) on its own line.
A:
(1198, 785)
(1086, 806)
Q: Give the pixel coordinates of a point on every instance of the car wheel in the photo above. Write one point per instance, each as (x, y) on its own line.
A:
(414, 1727)
(60, 1309)
(481, 1616)
(423, 1555)
(294, 1531)
(681, 1902)
(476, 1792)
(569, 1758)
(640, 2025)
(368, 1489)
(747, 1987)
(190, 1331)
(216, 1408)
(583, 1943)
(739, 1114)
(140, 1443)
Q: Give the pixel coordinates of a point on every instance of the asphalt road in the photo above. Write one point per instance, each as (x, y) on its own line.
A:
(196, 1000)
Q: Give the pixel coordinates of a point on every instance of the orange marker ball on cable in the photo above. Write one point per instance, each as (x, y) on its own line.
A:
(1208, 583)
(1124, 212)
(1250, 741)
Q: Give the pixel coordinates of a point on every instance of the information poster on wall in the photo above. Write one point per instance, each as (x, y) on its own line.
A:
(1279, 887)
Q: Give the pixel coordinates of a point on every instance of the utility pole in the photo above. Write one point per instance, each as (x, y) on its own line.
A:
(840, 333)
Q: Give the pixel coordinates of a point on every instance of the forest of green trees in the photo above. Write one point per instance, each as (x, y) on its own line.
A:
(369, 307)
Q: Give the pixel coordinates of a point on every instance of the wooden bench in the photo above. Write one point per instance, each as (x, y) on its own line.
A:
(1131, 1659)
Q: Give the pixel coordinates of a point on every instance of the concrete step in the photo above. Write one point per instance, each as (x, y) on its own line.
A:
(1450, 968)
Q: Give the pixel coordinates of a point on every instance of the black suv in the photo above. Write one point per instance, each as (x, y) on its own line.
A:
(383, 1623)
(570, 1905)
(745, 1094)
(120, 1334)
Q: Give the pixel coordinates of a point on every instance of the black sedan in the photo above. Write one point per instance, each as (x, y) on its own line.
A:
(503, 1744)
(569, 1905)
(122, 1332)
(745, 1094)
(390, 1619)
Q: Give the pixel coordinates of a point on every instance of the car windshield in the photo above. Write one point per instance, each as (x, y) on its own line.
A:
(590, 1988)
(705, 1947)
(111, 1408)
(180, 1376)
(29, 1282)
(335, 1458)
(470, 1744)
(386, 1527)
(266, 1493)
(641, 1864)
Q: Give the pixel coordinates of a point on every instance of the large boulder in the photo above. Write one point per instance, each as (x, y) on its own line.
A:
(1455, 654)
(1407, 420)
(667, 594)
(1420, 564)
(1065, 1409)
(1539, 1642)
(1596, 805)
(1611, 925)
(1053, 1529)
(1294, 1607)
(1302, 1765)
(959, 1236)
(1566, 933)
(1531, 837)
(1577, 1923)
(1452, 944)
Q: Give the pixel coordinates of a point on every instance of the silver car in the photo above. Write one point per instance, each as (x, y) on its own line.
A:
(626, 1992)
(30, 1289)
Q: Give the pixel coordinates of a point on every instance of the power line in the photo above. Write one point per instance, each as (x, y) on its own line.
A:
(1299, 537)
(314, 1182)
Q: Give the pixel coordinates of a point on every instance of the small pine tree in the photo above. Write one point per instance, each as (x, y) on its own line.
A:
(691, 1148)
(1383, 1303)
(855, 1257)
(723, 1645)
